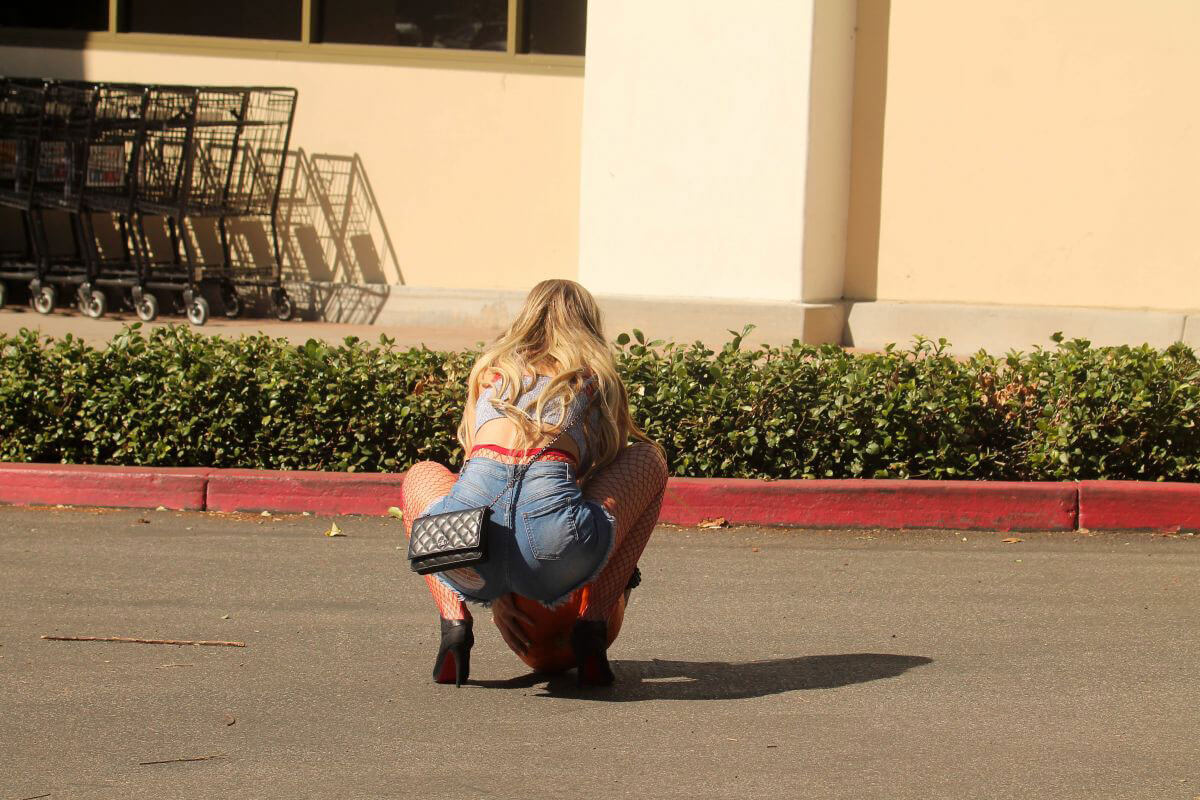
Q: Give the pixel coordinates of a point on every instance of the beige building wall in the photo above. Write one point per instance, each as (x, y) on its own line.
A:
(476, 172)
(939, 157)
(1026, 153)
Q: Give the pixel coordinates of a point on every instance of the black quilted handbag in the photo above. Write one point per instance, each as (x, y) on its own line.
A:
(446, 541)
(458, 538)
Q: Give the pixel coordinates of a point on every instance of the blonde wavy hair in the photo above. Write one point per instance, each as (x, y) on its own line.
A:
(558, 330)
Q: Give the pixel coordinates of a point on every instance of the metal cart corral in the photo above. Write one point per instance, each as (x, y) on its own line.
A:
(157, 161)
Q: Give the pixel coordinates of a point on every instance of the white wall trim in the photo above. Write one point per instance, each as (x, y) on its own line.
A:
(999, 328)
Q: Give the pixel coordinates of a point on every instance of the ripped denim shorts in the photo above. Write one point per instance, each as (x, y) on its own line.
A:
(544, 540)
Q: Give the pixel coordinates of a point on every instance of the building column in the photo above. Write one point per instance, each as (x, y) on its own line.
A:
(716, 149)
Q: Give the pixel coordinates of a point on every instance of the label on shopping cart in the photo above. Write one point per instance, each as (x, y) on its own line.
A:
(52, 162)
(106, 165)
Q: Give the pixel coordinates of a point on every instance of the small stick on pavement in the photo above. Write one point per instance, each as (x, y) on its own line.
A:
(35, 797)
(140, 641)
(177, 760)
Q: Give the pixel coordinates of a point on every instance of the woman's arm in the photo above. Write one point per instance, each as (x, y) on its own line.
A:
(515, 625)
(468, 427)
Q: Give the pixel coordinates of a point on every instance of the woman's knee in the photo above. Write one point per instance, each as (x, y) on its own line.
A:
(652, 464)
(420, 480)
(421, 472)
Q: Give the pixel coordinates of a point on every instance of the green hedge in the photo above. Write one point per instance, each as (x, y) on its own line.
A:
(177, 398)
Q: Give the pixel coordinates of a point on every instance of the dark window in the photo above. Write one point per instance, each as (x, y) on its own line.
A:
(454, 24)
(248, 19)
(71, 15)
(555, 26)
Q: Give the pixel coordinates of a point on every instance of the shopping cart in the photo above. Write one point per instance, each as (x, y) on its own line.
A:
(106, 186)
(71, 158)
(258, 170)
(22, 109)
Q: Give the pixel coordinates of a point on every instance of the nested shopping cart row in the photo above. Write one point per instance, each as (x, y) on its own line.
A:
(138, 174)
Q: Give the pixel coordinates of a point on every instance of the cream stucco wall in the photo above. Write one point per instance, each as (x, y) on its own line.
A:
(1027, 153)
(476, 172)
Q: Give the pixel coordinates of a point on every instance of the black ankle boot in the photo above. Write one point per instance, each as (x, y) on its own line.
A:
(589, 643)
(454, 655)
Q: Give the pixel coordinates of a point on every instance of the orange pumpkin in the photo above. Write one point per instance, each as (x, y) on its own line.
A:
(550, 640)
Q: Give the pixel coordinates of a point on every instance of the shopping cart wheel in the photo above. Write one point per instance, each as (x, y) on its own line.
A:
(45, 300)
(95, 305)
(147, 307)
(283, 306)
(231, 303)
(198, 311)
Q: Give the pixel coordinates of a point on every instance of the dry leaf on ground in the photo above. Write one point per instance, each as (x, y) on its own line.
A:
(395, 512)
(715, 522)
(1012, 540)
(334, 530)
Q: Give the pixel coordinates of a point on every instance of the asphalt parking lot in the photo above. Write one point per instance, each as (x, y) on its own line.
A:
(753, 662)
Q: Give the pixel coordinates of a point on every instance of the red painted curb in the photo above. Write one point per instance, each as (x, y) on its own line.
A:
(122, 487)
(320, 492)
(1133, 505)
(962, 505)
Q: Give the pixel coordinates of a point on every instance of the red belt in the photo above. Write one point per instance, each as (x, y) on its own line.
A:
(551, 454)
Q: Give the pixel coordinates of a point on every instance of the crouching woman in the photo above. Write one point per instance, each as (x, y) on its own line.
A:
(566, 538)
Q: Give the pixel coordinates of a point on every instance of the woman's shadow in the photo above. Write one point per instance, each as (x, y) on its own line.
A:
(660, 679)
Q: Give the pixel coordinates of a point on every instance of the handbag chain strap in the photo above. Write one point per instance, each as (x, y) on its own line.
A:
(519, 473)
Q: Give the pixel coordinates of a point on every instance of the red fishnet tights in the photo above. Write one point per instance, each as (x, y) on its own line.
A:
(631, 488)
(425, 483)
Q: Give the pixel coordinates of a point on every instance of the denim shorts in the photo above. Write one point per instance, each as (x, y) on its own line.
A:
(544, 540)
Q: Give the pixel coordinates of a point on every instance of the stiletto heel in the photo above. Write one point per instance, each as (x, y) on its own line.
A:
(589, 643)
(454, 655)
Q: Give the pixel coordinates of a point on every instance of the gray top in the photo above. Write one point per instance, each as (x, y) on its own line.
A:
(486, 412)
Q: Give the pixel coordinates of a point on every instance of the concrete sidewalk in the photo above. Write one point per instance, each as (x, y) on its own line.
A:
(857, 664)
(434, 336)
(99, 331)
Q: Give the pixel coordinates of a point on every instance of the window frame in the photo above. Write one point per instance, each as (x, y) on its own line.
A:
(305, 49)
